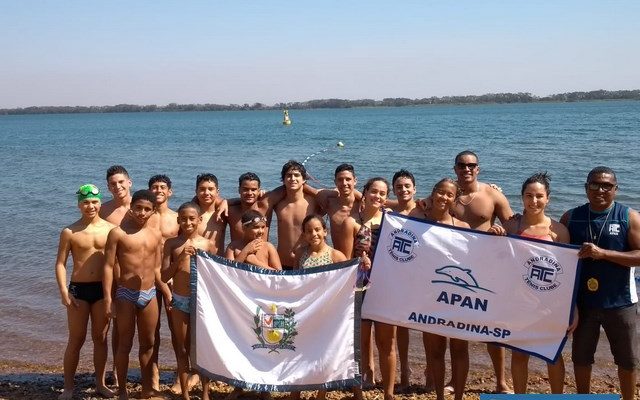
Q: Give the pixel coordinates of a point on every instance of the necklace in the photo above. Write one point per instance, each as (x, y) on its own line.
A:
(472, 196)
(596, 239)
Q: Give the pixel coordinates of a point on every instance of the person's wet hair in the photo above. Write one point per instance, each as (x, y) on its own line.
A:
(312, 217)
(403, 173)
(248, 176)
(540, 177)
(602, 170)
(144, 194)
(466, 153)
(116, 169)
(344, 167)
(188, 205)
(160, 178)
(447, 180)
(373, 180)
(206, 178)
(294, 165)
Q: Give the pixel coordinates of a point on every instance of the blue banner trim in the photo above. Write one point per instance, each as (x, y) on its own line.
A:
(333, 385)
(575, 284)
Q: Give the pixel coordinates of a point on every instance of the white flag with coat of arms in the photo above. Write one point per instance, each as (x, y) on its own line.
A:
(472, 285)
(272, 330)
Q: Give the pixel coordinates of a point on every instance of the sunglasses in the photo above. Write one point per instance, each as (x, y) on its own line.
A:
(605, 187)
(88, 189)
(466, 165)
(255, 220)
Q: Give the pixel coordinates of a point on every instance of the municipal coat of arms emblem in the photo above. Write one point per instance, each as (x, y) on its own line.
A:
(275, 331)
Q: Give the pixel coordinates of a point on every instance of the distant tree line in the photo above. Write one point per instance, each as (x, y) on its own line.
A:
(500, 98)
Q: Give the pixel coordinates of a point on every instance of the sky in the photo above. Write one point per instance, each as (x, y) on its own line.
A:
(236, 52)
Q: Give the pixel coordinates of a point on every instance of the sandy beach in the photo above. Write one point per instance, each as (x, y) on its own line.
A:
(23, 380)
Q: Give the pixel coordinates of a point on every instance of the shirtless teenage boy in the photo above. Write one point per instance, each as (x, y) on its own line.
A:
(404, 187)
(339, 207)
(479, 205)
(134, 249)
(250, 199)
(292, 210)
(207, 199)
(85, 239)
(119, 184)
(176, 266)
(114, 211)
(165, 220)
(254, 248)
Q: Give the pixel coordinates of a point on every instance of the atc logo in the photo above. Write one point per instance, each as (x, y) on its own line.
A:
(542, 273)
(402, 243)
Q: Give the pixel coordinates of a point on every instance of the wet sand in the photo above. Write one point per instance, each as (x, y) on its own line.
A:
(22, 380)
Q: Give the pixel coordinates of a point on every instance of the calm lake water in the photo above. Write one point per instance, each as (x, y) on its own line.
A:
(46, 158)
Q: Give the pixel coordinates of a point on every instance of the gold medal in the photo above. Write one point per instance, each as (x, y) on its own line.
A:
(592, 284)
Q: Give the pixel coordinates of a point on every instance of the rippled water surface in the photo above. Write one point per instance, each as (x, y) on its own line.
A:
(46, 157)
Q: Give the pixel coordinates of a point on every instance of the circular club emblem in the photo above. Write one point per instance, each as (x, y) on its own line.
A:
(542, 273)
(402, 243)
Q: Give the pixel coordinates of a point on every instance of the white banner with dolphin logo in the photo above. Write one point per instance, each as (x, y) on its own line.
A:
(275, 330)
(472, 285)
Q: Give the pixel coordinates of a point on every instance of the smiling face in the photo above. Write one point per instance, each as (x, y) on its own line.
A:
(293, 179)
(535, 198)
(376, 194)
(444, 195)
(255, 230)
(404, 189)
(119, 185)
(314, 233)
(161, 190)
(206, 192)
(345, 182)
(249, 191)
(601, 191)
(189, 219)
(141, 211)
(89, 207)
(466, 168)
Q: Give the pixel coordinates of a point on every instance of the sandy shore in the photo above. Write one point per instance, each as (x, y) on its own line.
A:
(22, 380)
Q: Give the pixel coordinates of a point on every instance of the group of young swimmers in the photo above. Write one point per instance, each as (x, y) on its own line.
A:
(132, 253)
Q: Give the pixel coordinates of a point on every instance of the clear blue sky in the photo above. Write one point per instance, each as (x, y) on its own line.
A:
(158, 52)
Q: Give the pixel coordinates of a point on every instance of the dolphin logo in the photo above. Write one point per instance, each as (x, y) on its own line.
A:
(460, 277)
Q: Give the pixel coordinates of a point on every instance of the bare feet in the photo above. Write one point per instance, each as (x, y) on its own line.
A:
(67, 394)
(503, 388)
(368, 381)
(155, 377)
(151, 394)
(405, 378)
(428, 381)
(449, 389)
(175, 388)
(104, 391)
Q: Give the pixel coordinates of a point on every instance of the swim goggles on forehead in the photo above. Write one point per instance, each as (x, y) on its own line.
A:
(254, 220)
(88, 189)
